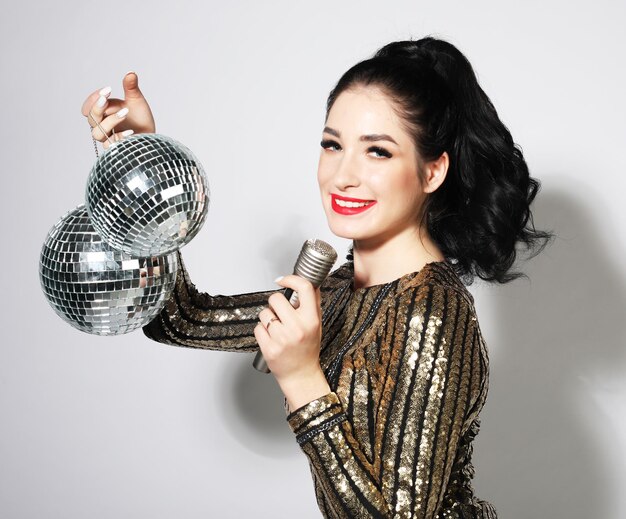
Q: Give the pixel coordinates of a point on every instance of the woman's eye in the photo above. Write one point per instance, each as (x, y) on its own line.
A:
(327, 144)
(380, 152)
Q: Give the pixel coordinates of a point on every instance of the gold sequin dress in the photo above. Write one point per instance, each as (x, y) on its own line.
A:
(408, 371)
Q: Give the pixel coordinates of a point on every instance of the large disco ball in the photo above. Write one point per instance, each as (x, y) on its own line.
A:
(98, 289)
(147, 195)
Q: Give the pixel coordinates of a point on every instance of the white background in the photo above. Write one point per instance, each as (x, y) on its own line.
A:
(105, 427)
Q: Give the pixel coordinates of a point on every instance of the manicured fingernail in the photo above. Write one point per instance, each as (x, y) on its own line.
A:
(278, 279)
(105, 91)
(101, 101)
(122, 113)
(126, 133)
(130, 72)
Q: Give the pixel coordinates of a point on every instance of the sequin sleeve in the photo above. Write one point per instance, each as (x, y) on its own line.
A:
(428, 394)
(199, 320)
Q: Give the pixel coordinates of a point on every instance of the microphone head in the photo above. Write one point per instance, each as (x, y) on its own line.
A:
(315, 261)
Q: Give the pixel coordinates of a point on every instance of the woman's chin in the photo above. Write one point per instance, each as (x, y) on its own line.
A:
(347, 231)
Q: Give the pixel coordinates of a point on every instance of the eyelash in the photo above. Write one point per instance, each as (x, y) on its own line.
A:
(327, 143)
(376, 149)
(380, 151)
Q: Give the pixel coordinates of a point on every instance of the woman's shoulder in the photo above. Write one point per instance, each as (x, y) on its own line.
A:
(439, 278)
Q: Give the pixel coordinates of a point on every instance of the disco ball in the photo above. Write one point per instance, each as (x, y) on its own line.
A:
(98, 289)
(147, 195)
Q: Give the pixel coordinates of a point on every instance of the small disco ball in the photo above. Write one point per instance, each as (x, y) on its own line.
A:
(98, 289)
(147, 195)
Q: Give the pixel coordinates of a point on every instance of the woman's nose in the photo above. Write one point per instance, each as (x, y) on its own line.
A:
(346, 174)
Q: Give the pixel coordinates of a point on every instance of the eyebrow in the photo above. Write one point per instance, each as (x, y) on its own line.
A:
(367, 138)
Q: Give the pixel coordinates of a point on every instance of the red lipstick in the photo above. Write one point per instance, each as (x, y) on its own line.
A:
(349, 210)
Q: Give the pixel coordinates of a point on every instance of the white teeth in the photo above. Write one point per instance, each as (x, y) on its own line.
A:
(343, 203)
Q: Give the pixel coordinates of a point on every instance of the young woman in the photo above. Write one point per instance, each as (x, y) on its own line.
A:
(384, 368)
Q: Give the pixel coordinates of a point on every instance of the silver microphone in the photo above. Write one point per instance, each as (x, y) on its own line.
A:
(313, 264)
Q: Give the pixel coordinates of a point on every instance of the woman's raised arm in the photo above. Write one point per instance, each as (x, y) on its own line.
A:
(199, 320)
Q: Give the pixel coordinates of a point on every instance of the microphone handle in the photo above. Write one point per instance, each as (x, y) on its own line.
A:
(259, 362)
(314, 263)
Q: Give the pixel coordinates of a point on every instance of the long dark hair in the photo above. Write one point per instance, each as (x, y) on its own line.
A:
(482, 209)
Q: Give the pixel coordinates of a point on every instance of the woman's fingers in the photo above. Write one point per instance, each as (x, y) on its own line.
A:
(100, 110)
(107, 124)
(93, 112)
(307, 311)
(96, 114)
(91, 99)
(279, 306)
(265, 315)
(94, 105)
(130, 83)
(308, 298)
(117, 137)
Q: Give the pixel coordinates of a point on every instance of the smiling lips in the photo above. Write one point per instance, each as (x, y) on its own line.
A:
(349, 206)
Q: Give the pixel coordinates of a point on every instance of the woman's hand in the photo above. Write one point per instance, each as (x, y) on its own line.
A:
(131, 114)
(291, 344)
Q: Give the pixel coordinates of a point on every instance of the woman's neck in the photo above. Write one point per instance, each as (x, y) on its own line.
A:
(391, 259)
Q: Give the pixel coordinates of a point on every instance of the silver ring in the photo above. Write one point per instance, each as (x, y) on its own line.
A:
(267, 326)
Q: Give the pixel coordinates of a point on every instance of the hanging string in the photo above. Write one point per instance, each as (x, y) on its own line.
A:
(95, 145)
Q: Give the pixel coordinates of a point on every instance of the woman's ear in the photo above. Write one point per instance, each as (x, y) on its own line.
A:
(435, 172)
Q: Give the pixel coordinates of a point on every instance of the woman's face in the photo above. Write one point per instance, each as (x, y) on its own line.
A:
(367, 157)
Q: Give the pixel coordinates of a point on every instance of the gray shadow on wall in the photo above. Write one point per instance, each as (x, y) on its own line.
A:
(538, 457)
(251, 402)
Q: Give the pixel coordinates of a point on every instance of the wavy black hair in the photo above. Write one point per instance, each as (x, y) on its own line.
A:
(482, 209)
